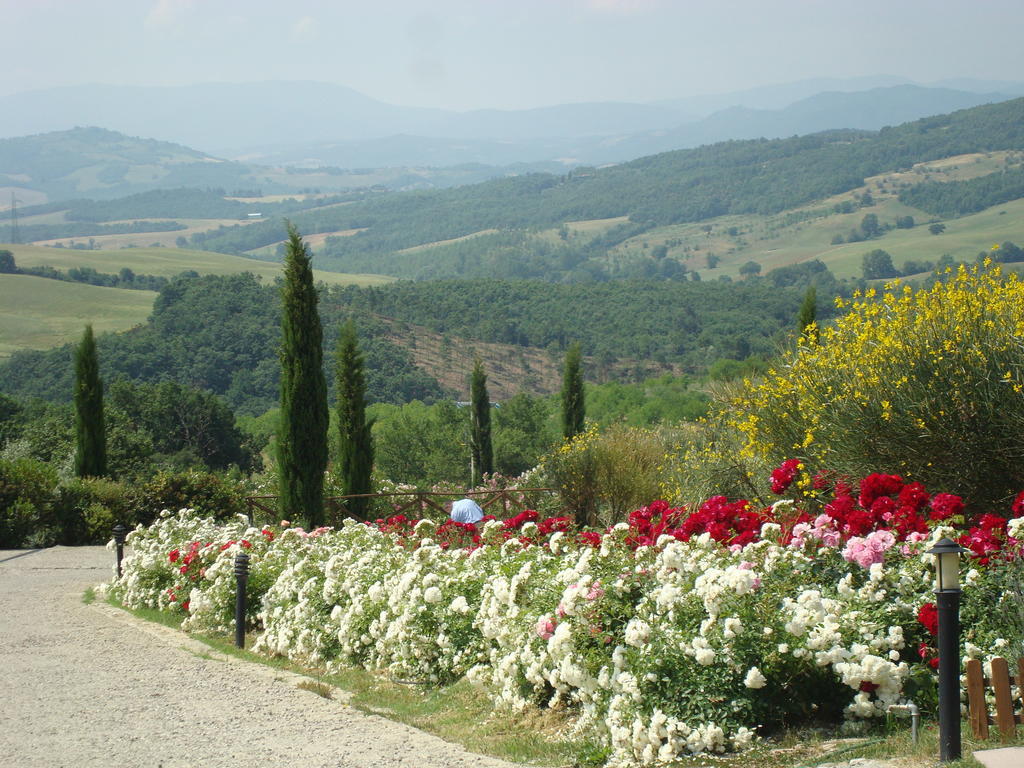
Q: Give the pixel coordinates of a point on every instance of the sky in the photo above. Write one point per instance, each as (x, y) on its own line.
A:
(507, 54)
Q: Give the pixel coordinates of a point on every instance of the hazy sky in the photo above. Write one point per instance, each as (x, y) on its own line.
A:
(465, 54)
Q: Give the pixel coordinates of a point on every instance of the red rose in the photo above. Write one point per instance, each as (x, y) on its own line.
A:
(174, 555)
(928, 615)
(946, 505)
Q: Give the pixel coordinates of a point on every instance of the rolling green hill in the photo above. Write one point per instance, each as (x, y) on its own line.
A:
(39, 313)
(36, 313)
(763, 178)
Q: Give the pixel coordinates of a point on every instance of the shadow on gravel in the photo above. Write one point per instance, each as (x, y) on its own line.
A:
(20, 554)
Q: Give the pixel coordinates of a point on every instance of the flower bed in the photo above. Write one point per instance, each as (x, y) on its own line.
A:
(669, 634)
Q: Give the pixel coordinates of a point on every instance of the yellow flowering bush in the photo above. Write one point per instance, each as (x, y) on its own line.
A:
(926, 383)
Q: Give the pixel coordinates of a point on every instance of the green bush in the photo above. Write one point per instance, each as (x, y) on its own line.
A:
(601, 476)
(86, 509)
(209, 494)
(26, 496)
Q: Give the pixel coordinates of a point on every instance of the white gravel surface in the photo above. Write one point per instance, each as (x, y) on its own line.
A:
(89, 685)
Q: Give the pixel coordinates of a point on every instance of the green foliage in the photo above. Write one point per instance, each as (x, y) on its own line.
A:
(216, 333)
(602, 476)
(302, 441)
(958, 198)
(26, 492)
(210, 494)
(573, 404)
(877, 265)
(807, 318)
(480, 424)
(750, 269)
(355, 439)
(90, 430)
(7, 265)
(666, 399)
(421, 444)
(181, 420)
(524, 432)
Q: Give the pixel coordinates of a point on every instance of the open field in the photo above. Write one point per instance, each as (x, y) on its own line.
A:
(168, 262)
(427, 246)
(313, 241)
(144, 239)
(807, 232)
(39, 313)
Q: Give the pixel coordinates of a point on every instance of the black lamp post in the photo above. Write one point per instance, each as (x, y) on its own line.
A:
(120, 532)
(947, 601)
(241, 577)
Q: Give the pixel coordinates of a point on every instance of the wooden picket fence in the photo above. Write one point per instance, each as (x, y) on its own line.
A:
(1002, 683)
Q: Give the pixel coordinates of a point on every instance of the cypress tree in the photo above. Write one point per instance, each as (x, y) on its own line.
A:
(808, 315)
(572, 393)
(90, 428)
(480, 437)
(302, 440)
(355, 441)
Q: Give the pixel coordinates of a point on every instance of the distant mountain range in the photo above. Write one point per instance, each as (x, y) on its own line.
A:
(275, 136)
(311, 122)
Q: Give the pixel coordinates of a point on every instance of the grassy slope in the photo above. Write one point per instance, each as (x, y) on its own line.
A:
(167, 262)
(772, 242)
(39, 313)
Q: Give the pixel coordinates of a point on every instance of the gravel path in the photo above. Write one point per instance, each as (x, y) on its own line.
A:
(89, 685)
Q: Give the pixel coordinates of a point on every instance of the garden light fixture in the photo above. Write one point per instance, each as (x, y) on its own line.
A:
(947, 601)
(120, 533)
(241, 577)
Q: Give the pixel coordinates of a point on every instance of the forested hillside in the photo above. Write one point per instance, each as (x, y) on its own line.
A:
(760, 176)
(220, 333)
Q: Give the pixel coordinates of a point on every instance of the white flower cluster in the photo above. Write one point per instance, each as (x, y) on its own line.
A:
(667, 651)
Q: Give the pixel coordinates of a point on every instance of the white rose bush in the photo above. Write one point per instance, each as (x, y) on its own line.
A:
(669, 634)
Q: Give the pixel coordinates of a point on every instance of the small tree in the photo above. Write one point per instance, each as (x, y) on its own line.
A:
(807, 319)
(573, 410)
(7, 265)
(355, 440)
(750, 269)
(480, 427)
(90, 428)
(877, 265)
(937, 228)
(302, 440)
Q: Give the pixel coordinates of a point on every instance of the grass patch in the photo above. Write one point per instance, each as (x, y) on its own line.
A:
(38, 313)
(89, 596)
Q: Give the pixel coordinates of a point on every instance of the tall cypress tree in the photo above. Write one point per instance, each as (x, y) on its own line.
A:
(480, 437)
(809, 314)
(302, 440)
(90, 428)
(572, 393)
(355, 442)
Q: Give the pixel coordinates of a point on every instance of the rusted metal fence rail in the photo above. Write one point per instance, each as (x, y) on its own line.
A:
(419, 503)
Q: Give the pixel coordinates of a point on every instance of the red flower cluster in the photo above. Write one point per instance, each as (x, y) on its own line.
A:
(736, 522)
(928, 615)
(784, 475)
(986, 538)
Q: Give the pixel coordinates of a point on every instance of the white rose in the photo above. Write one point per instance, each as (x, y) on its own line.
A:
(755, 679)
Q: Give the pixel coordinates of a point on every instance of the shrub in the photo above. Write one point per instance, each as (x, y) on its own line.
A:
(601, 476)
(929, 384)
(26, 495)
(85, 510)
(206, 492)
